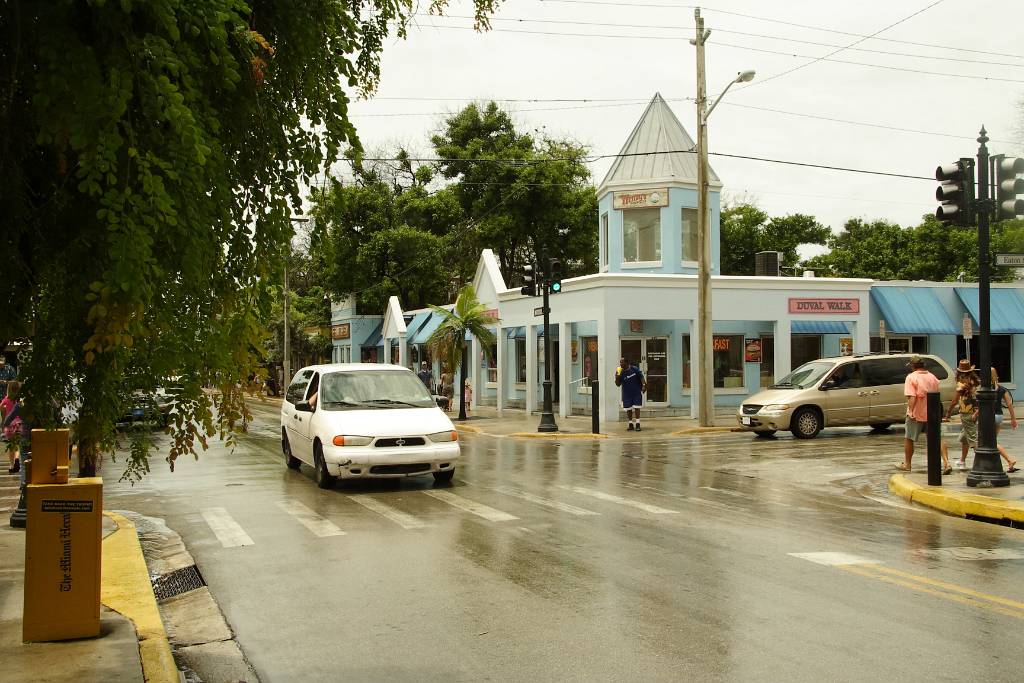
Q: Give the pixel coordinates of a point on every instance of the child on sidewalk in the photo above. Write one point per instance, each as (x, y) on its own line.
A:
(469, 396)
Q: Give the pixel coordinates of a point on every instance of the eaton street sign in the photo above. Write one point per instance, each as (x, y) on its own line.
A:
(968, 328)
(539, 310)
(1012, 260)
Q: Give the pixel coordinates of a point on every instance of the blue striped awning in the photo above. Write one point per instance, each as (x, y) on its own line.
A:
(516, 333)
(819, 327)
(423, 334)
(413, 326)
(1006, 308)
(374, 339)
(913, 310)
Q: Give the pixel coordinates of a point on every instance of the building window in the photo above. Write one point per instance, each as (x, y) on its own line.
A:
(876, 345)
(767, 360)
(689, 235)
(1002, 354)
(589, 371)
(726, 360)
(804, 348)
(641, 235)
(604, 240)
(521, 361)
(492, 364)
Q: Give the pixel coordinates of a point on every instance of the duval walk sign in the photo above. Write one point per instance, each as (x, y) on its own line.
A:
(826, 306)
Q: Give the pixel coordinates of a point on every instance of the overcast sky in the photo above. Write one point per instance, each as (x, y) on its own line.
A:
(623, 51)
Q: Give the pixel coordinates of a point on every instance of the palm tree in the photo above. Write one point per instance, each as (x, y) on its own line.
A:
(448, 342)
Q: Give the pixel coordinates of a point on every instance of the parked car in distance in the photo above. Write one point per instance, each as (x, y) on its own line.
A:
(152, 407)
(365, 420)
(858, 390)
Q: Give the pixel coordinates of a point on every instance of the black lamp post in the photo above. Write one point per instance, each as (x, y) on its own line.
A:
(987, 469)
(547, 415)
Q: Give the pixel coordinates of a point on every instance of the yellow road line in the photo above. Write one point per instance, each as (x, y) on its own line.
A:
(952, 587)
(866, 571)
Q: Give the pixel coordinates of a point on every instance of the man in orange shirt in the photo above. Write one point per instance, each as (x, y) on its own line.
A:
(916, 387)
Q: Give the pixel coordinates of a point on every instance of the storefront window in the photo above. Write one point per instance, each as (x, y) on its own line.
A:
(521, 361)
(726, 360)
(604, 240)
(492, 364)
(589, 358)
(689, 234)
(641, 235)
(767, 361)
(804, 348)
(1002, 353)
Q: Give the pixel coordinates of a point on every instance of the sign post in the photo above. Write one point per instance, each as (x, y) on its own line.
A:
(881, 334)
(968, 333)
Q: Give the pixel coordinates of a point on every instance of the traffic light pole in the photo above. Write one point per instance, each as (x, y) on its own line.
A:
(547, 415)
(987, 469)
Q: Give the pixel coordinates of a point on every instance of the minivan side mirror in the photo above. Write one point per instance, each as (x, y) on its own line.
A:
(825, 386)
(303, 407)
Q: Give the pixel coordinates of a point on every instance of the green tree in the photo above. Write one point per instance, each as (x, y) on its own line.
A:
(869, 249)
(526, 195)
(746, 230)
(151, 154)
(448, 341)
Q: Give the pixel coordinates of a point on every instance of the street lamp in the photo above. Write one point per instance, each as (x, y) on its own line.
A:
(706, 404)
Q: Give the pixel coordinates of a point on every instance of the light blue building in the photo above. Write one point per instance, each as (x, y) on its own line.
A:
(642, 304)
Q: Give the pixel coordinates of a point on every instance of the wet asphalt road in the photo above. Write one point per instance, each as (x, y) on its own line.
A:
(713, 558)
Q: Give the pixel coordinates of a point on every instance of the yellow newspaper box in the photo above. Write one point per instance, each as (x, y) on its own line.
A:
(62, 560)
(50, 456)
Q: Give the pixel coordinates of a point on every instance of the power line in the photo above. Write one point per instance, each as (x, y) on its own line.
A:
(826, 58)
(719, 29)
(813, 59)
(824, 29)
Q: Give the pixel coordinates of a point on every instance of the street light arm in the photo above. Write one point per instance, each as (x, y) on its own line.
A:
(715, 103)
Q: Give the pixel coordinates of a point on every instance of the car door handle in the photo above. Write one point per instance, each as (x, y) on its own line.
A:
(874, 393)
(862, 393)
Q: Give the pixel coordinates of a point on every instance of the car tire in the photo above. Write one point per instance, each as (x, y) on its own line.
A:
(765, 433)
(444, 477)
(881, 427)
(286, 448)
(806, 423)
(324, 479)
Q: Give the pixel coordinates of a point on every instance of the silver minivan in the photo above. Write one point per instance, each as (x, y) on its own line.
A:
(860, 390)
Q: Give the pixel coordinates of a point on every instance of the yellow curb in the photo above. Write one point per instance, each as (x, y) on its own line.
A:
(126, 589)
(556, 435)
(468, 429)
(706, 430)
(956, 503)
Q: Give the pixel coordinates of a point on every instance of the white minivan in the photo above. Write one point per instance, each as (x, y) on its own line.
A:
(365, 420)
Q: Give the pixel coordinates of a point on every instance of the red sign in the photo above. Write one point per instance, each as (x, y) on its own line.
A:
(340, 331)
(827, 306)
(752, 351)
(636, 325)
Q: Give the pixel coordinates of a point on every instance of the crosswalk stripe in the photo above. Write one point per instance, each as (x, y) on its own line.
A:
(478, 509)
(546, 502)
(607, 497)
(225, 528)
(402, 519)
(318, 525)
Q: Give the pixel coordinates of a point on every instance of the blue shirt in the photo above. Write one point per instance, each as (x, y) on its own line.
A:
(631, 380)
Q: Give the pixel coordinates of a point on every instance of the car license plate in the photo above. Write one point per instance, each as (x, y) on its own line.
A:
(745, 420)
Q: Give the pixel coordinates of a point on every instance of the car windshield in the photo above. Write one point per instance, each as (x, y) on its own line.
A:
(804, 376)
(373, 389)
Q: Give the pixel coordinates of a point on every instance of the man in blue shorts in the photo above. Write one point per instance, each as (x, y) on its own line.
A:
(633, 384)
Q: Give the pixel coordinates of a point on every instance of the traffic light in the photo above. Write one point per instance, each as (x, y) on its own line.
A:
(529, 287)
(555, 275)
(956, 192)
(1009, 187)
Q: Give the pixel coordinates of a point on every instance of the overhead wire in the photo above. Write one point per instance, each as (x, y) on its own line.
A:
(824, 29)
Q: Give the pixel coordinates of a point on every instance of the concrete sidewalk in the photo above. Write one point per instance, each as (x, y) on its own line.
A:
(1004, 505)
(133, 643)
(517, 423)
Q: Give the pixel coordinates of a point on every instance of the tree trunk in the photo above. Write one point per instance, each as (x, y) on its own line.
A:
(88, 455)
(462, 384)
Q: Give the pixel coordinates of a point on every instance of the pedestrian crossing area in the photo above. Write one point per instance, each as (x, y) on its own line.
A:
(424, 509)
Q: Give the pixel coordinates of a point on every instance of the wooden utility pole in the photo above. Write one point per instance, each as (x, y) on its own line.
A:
(705, 374)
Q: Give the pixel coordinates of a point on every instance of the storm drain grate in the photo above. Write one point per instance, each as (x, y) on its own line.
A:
(177, 582)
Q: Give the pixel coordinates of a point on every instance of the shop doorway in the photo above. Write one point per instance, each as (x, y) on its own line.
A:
(651, 356)
(540, 371)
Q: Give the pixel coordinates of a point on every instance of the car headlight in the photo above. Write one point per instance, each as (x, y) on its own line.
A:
(441, 437)
(775, 408)
(348, 440)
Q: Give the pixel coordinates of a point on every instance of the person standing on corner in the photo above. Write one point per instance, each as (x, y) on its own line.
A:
(633, 384)
(916, 388)
(1004, 398)
(967, 385)
(426, 376)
